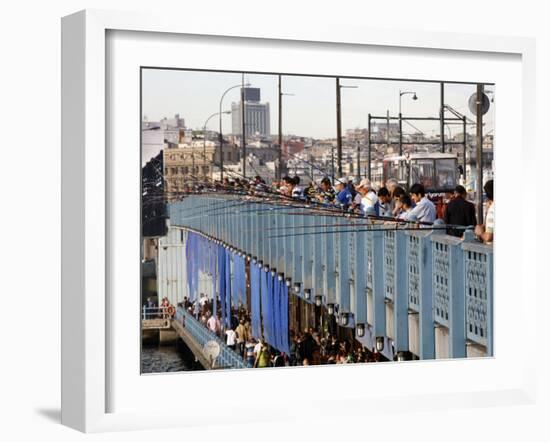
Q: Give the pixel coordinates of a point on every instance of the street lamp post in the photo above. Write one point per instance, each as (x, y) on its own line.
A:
(414, 97)
(221, 134)
(339, 123)
(204, 140)
(280, 153)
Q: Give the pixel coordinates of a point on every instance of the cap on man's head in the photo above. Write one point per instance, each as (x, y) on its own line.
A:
(364, 184)
(342, 180)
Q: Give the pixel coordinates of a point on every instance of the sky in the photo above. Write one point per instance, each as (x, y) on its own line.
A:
(311, 110)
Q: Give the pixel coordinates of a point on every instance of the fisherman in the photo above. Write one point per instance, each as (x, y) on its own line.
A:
(485, 232)
(424, 211)
(343, 197)
(326, 194)
(460, 212)
(382, 206)
(403, 207)
(368, 196)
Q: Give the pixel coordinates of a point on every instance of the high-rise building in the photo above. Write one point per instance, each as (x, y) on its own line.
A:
(256, 114)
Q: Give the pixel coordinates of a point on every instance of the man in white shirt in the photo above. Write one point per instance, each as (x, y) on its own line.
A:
(424, 211)
(368, 196)
(231, 338)
(213, 324)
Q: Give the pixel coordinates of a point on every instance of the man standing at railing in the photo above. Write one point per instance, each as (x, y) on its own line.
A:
(460, 212)
(424, 211)
(485, 232)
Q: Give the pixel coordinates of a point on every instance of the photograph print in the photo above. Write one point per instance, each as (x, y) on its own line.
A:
(296, 220)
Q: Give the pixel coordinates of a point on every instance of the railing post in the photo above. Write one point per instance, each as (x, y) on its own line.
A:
(457, 314)
(298, 258)
(329, 264)
(379, 295)
(307, 255)
(426, 320)
(401, 294)
(360, 279)
(343, 297)
(489, 294)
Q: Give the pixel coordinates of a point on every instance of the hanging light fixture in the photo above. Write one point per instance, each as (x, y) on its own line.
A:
(344, 319)
(280, 276)
(297, 287)
(360, 328)
(379, 343)
(330, 309)
(318, 300)
(307, 294)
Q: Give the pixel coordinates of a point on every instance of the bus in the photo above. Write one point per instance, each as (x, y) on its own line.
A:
(438, 172)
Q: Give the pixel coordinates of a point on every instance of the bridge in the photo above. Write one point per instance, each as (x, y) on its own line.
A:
(404, 293)
(196, 337)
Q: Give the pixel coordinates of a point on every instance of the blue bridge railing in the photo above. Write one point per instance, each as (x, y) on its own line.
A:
(376, 280)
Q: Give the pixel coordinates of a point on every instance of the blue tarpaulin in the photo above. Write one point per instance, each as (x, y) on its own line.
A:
(227, 288)
(221, 278)
(255, 302)
(239, 280)
(264, 302)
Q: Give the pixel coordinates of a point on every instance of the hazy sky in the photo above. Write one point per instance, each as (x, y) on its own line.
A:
(311, 111)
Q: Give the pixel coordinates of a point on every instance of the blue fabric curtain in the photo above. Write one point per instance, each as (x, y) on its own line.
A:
(283, 330)
(240, 279)
(214, 259)
(227, 288)
(265, 303)
(221, 278)
(276, 313)
(255, 302)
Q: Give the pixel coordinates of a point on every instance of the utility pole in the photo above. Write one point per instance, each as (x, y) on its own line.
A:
(243, 123)
(338, 128)
(387, 130)
(442, 117)
(280, 153)
(479, 148)
(400, 134)
(358, 160)
(464, 147)
(369, 149)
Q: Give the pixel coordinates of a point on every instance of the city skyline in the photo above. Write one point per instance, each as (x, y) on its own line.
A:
(310, 112)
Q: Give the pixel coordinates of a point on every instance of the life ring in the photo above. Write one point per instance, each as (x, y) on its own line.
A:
(171, 310)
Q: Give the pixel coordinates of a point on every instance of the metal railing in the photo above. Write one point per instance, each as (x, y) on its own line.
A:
(444, 281)
(149, 313)
(201, 335)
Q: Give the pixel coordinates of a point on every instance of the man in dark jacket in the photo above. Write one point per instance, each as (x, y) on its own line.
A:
(460, 212)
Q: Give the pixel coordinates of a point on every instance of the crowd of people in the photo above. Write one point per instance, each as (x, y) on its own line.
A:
(389, 202)
(310, 347)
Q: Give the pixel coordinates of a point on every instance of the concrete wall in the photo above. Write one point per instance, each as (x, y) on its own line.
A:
(171, 267)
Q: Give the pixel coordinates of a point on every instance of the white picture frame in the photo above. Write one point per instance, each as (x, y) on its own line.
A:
(85, 213)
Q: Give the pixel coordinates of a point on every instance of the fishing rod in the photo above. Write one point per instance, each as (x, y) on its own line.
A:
(401, 229)
(450, 226)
